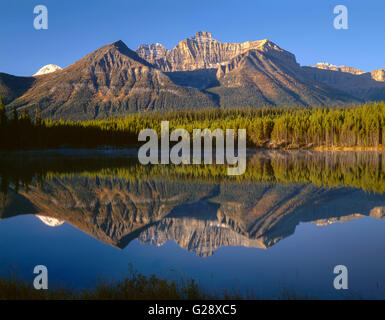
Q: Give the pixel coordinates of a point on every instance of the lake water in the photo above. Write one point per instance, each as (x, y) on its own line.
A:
(284, 225)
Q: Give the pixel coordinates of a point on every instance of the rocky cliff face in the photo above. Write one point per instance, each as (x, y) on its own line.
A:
(202, 51)
(152, 52)
(378, 75)
(328, 66)
(253, 73)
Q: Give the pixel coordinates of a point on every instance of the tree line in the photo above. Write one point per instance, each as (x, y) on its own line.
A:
(358, 126)
(361, 170)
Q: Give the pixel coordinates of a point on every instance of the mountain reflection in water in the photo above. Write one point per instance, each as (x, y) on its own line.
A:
(115, 200)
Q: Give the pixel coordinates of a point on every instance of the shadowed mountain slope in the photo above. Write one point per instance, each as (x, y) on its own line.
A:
(12, 87)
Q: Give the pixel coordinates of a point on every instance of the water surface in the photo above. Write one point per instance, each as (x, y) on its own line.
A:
(285, 224)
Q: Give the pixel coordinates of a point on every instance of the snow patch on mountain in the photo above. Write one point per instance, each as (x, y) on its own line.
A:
(49, 221)
(48, 69)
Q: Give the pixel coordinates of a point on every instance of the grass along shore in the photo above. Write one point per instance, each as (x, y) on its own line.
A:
(136, 286)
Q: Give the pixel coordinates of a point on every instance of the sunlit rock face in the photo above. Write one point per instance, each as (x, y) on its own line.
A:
(329, 66)
(378, 75)
(152, 52)
(202, 51)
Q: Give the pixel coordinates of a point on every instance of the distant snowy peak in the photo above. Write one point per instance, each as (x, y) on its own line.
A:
(49, 221)
(48, 69)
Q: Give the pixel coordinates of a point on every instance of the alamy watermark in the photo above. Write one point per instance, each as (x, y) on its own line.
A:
(41, 280)
(341, 20)
(180, 153)
(340, 281)
(40, 22)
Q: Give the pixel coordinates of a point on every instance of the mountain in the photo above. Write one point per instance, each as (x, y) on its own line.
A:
(201, 51)
(367, 86)
(199, 72)
(105, 196)
(12, 87)
(329, 66)
(112, 80)
(48, 69)
(253, 73)
(270, 76)
(378, 75)
(199, 217)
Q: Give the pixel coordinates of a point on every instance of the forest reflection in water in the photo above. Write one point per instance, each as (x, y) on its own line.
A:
(110, 196)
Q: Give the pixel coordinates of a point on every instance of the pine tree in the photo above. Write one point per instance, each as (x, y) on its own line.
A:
(15, 115)
(38, 119)
(25, 116)
(3, 115)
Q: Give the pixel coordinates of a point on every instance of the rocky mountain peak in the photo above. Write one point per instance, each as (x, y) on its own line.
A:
(203, 36)
(202, 51)
(113, 56)
(151, 52)
(119, 46)
(378, 75)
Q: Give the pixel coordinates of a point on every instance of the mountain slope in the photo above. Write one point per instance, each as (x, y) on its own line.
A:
(271, 76)
(12, 87)
(368, 86)
(110, 81)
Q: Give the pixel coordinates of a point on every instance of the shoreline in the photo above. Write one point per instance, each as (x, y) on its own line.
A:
(131, 150)
(357, 148)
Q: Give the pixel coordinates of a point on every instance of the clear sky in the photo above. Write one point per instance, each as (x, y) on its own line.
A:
(303, 27)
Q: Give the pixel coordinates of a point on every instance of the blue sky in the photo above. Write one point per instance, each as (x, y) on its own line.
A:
(303, 27)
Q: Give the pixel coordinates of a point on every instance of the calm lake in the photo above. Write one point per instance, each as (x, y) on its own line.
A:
(284, 225)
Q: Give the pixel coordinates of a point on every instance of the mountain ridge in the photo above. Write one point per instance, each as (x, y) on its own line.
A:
(117, 211)
(112, 80)
(199, 72)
